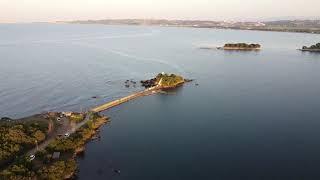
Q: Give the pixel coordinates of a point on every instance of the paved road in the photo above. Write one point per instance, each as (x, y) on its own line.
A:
(62, 129)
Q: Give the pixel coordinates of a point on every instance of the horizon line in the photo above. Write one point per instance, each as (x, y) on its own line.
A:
(173, 19)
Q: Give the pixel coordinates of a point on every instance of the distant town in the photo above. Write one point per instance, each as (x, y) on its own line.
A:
(303, 26)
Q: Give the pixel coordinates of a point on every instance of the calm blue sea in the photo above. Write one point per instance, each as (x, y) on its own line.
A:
(254, 115)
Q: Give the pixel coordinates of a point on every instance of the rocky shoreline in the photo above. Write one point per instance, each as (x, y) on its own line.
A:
(149, 83)
(78, 151)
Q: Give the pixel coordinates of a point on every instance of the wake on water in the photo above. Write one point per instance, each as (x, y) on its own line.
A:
(135, 57)
(80, 38)
(113, 51)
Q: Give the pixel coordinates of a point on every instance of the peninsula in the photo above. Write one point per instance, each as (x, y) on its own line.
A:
(313, 48)
(45, 146)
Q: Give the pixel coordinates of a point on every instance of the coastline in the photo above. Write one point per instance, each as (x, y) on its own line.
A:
(265, 29)
(225, 78)
(100, 122)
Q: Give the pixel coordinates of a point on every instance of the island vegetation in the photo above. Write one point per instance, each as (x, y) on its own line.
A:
(164, 81)
(313, 48)
(76, 117)
(240, 46)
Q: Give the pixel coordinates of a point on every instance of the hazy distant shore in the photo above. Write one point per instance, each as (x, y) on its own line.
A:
(298, 26)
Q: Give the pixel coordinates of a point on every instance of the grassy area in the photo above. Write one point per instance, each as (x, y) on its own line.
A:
(77, 117)
(167, 81)
(45, 166)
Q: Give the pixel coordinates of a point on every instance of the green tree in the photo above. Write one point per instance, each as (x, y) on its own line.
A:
(39, 136)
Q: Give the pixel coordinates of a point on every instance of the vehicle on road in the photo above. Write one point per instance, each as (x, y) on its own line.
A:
(32, 157)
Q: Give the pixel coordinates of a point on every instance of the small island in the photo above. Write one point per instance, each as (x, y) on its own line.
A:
(313, 48)
(240, 46)
(164, 81)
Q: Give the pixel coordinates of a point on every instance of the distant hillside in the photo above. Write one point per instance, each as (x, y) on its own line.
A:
(295, 23)
(303, 26)
(290, 18)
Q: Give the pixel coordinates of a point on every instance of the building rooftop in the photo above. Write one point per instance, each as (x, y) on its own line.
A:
(56, 155)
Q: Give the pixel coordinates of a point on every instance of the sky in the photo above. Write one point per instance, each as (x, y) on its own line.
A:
(12, 11)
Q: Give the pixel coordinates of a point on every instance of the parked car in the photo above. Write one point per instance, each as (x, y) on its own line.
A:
(32, 157)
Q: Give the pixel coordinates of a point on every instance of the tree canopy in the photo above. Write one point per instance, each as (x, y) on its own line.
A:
(18, 137)
(316, 46)
(167, 80)
(242, 45)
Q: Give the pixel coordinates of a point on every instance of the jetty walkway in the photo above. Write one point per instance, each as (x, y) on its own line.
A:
(147, 92)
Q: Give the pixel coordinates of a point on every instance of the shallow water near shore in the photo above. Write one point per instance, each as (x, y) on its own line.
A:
(254, 115)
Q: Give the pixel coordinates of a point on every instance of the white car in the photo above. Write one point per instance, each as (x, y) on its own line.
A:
(66, 135)
(32, 157)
